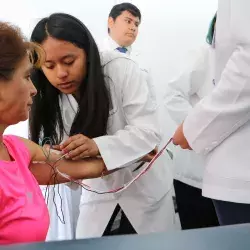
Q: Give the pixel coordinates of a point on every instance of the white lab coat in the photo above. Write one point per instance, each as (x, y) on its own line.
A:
(133, 131)
(219, 126)
(108, 44)
(182, 94)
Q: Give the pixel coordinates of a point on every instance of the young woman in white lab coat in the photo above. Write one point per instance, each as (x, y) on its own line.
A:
(182, 94)
(101, 107)
(219, 126)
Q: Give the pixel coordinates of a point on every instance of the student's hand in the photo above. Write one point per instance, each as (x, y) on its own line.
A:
(150, 156)
(179, 138)
(78, 147)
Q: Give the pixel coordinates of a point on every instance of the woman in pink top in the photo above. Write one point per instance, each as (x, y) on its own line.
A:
(23, 212)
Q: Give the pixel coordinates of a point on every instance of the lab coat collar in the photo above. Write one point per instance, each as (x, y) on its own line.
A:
(114, 45)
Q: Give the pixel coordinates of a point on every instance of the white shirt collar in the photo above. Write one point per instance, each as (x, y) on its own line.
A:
(114, 45)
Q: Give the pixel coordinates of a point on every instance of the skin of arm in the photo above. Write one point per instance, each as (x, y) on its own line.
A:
(87, 168)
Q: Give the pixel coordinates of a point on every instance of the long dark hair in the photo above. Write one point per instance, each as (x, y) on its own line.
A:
(92, 116)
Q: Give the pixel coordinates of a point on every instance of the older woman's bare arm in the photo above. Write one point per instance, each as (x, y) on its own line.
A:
(83, 169)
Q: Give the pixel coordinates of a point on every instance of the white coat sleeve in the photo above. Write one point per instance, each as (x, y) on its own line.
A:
(227, 108)
(141, 134)
(179, 90)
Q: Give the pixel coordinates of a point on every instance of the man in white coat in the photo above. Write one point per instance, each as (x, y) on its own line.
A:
(182, 94)
(219, 125)
(123, 23)
(123, 26)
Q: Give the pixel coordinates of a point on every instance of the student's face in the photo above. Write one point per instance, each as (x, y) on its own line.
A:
(65, 65)
(124, 28)
(16, 94)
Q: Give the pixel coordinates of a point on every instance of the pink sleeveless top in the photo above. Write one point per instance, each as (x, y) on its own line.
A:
(24, 215)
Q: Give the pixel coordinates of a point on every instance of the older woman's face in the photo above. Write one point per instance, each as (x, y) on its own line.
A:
(16, 94)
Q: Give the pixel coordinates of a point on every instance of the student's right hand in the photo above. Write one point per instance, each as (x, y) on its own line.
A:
(78, 147)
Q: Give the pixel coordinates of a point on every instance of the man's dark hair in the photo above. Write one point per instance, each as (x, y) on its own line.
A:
(119, 8)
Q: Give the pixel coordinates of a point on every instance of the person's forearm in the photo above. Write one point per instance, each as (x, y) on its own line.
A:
(83, 169)
(46, 165)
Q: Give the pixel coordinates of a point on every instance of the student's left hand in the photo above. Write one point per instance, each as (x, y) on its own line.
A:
(78, 147)
(149, 157)
(180, 139)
